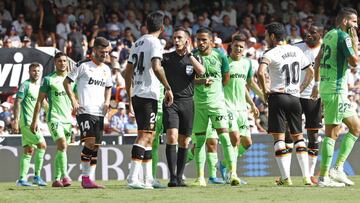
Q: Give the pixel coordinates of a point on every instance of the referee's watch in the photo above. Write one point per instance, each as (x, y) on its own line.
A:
(190, 54)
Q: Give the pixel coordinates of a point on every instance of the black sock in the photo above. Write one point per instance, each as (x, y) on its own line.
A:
(181, 161)
(171, 158)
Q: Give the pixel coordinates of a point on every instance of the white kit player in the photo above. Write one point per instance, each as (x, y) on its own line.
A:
(285, 63)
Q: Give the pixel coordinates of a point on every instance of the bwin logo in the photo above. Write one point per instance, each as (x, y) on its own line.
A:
(96, 82)
(18, 71)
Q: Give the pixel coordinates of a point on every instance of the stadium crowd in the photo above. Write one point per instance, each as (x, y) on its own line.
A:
(72, 26)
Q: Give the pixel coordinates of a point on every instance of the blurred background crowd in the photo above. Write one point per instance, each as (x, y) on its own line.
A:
(72, 25)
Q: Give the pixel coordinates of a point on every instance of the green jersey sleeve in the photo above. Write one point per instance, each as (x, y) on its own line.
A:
(45, 86)
(250, 72)
(346, 45)
(22, 90)
(225, 63)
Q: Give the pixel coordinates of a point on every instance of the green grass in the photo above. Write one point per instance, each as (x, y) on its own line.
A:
(258, 190)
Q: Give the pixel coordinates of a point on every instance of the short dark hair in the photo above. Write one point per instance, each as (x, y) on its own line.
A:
(204, 30)
(101, 42)
(277, 29)
(59, 54)
(239, 37)
(345, 13)
(34, 65)
(154, 21)
(181, 28)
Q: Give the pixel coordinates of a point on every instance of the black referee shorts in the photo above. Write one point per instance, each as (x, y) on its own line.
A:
(312, 111)
(282, 108)
(180, 115)
(145, 110)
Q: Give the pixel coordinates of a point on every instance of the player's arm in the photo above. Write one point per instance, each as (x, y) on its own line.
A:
(353, 59)
(254, 87)
(198, 67)
(309, 75)
(249, 100)
(129, 71)
(39, 103)
(315, 90)
(160, 74)
(261, 74)
(225, 70)
(69, 91)
(15, 125)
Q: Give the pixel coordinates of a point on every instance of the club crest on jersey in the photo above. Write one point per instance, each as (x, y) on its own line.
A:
(189, 69)
(348, 42)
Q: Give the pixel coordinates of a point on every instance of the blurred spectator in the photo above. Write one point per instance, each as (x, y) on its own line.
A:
(20, 24)
(249, 11)
(260, 27)
(113, 35)
(163, 9)
(4, 25)
(129, 38)
(7, 43)
(353, 79)
(28, 35)
(69, 11)
(306, 12)
(187, 25)
(75, 42)
(47, 23)
(225, 30)
(62, 31)
(114, 57)
(3, 131)
(265, 3)
(131, 126)
(231, 12)
(247, 27)
(293, 37)
(168, 28)
(26, 42)
(320, 17)
(218, 45)
(133, 23)
(292, 23)
(199, 23)
(185, 12)
(216, 18)
(119, 119)
(6, 114)
(143, 30)
(289, 11)
(114, 21)
(14, 37)
(5, 13)
(84, 11)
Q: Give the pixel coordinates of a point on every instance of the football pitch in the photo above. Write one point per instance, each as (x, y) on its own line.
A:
(260, 189)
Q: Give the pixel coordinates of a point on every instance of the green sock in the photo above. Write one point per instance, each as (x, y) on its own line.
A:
(39, 160)
(228, 151)
(200, 154)
(241, 150)
(24, 166)
(327, 152)
(57, 166)
(155, 154)
(190, 156)
(62, 158)
(346, 146)
(212, 159)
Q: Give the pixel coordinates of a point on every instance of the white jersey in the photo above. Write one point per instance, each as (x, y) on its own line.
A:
(91, 81)
(311, 54)
(145, 83)
(286, 63)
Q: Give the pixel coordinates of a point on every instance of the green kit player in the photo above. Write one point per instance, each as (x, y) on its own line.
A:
(23, 115)
(210, 104)
(58, 116)
(339, 49)
(237, 97)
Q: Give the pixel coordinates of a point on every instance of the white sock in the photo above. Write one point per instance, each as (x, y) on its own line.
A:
(85, 168)
(283, 159)
(147, 167)
(92, 172)
(135, 167)
(302, 156)
(312, 164)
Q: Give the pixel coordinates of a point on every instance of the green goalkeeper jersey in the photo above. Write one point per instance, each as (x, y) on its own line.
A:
(336, 47)
(240, 72)
(216, 64)
(28, 92)
(59, 103)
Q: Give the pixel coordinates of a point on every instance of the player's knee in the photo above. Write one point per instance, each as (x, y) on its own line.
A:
(171, 139)
(137, 152)
(42, 145)
(28, 150)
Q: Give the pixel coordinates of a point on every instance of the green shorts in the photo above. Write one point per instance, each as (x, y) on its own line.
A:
(217, 115)
(210, 133)
(238, 121)
(59, 130)
(30, 139)
(336, 108)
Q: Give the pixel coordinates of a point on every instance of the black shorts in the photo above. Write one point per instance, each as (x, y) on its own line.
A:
(282, 108)
(145, 113)
(312, 111)
(91, 126)
(180, 115)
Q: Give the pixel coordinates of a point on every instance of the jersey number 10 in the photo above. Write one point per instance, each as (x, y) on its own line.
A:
(138, 63)
(291, 73)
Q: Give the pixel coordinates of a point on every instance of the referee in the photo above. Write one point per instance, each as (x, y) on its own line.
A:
(180, 67)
